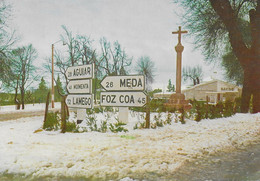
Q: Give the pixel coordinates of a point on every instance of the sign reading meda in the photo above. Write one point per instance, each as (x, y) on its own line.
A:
(80, 86)
(123, 83)
(123, 99)
(80, 72)
(79, 101)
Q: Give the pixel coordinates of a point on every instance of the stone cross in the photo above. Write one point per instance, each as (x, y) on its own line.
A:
(179, 34)
(179, 48)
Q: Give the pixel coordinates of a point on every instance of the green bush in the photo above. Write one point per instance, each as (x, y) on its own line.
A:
(117, 127)
(71, 127)
(52, 121)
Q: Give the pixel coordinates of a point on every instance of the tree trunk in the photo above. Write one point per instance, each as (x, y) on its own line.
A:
(22, 97)
(17, 102)
(246, 92)
(251, 86)
(255, 86)
(46, 107)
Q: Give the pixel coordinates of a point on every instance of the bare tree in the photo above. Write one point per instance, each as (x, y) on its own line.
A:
(23, 69)
(146, 67)
(194, 74)
(7, 39)
(114, 60)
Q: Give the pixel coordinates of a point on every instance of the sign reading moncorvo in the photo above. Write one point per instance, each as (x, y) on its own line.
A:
(123, 99)
(79, 86)
(79, 101)
(80, 72)
(124, 83)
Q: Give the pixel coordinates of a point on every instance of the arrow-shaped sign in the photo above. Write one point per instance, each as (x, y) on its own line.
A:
(123, 99)
(80, 72)
(123, 83)
(80, 86)
(79, 101)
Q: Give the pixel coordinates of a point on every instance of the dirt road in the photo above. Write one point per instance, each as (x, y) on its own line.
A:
(5, 116)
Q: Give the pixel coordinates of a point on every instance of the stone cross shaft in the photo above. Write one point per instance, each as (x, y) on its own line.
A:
(179, 49)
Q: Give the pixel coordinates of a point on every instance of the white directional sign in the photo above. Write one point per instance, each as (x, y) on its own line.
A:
(123, 99)
(80, 72)
(124, 83)
(79, 101)
(80, 86)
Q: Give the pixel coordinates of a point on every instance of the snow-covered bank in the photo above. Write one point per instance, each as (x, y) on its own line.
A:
(28, 108)
(120, 155)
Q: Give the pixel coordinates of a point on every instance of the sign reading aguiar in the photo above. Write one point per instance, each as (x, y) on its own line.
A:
(80, 72)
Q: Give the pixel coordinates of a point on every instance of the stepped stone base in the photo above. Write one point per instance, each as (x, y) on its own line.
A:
(177, 101)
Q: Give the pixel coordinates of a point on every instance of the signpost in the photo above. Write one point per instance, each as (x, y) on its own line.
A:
(123, 99)
(123, 92)
(124, 83)
(80, 86)
(80, 89)
(84, 101)
(80, 72)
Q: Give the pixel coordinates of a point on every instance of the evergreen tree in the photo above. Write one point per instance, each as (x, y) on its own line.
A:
(41, 92)
(58, 90)
(170, 87)
(42, 85)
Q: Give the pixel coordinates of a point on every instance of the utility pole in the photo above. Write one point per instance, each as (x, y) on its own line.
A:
(52, 76)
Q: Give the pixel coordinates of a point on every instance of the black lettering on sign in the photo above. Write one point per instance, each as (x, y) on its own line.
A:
(126, 99)
(113, 98)
(131, 82)
(108, 98)
(109, 84)
(81, 86)
(82, 71)
(81, 101)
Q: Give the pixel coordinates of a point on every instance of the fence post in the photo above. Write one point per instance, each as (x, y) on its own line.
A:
(63, 114)
(147, 116)
(46, 107)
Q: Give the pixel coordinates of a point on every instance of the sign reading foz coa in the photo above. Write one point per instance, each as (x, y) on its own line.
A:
(123, 99)
(80, 72)
(79, 101)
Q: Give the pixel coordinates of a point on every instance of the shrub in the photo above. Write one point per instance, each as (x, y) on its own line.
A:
(72, 127)
(92, 123)
(103, 127)
(117, 127)
(168, 119)
(52, 121)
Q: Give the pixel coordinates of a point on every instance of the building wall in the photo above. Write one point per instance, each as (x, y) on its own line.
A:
(225, 90)
(199, 92)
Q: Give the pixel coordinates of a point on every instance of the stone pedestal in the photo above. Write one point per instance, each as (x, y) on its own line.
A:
(81, 115)
(177, 101)
(123, 114)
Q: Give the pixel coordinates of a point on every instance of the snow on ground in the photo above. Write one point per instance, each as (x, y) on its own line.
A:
(28, 108)
(119, 155)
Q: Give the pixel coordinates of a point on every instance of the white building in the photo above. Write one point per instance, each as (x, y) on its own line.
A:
(216, 90)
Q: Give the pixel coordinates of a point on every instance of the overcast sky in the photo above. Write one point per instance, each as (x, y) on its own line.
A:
(142, 27)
